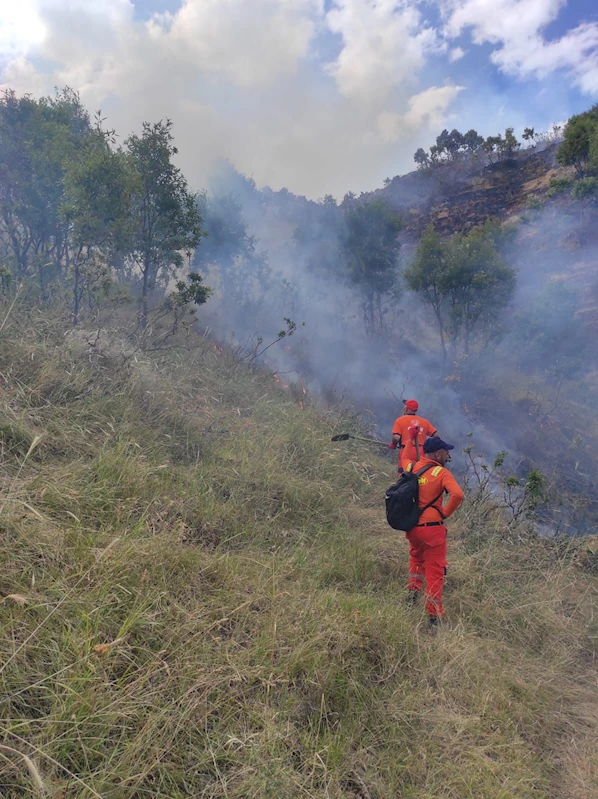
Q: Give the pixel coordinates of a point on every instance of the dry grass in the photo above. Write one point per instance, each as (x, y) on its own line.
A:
(200, 599)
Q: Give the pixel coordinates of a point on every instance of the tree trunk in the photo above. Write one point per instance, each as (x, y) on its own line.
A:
(144, 291)
(77, 292)
(75, 285)
(380, 315)
(369, 314)
(41, 271)
(442, 334)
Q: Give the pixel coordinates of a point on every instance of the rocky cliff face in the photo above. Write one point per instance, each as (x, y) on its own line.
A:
(557, 234)
(457, 197)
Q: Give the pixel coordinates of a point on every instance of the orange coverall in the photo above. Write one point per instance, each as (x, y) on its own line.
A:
(407, 453)
(427, 541)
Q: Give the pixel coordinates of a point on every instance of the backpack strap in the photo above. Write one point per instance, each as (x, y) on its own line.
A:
(429, 505)
(421, 471)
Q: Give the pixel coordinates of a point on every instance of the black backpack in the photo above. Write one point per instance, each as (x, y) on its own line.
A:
(402, 501)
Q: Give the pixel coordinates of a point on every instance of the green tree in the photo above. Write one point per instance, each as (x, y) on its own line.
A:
(479, 285)
(426, 276)
(585, 192)
(508, 144)
(165, 218)
(37, 138)
(244, 272)
(491, 146)
(443, 143)
(581, 131)
(435, 153)
(448, 146)
(183, 302)
(371, 249)
(454, 143)
(465, 282)
(421, 158)
(584, 188)
(96, 212)
(472, 141)
(318, 236)
(227, 236)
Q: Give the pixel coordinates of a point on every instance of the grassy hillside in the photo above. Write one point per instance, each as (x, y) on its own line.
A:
(201, 597)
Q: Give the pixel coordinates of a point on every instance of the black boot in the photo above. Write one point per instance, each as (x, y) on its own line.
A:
(433, 622)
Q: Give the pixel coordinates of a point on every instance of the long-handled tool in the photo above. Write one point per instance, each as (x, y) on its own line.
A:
(413, 432)
(347, 436)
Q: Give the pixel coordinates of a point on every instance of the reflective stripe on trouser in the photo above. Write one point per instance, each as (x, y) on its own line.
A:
(427, 558)
(416, 581)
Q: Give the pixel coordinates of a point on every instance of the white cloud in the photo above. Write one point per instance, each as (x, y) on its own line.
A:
(427, 111)
(428, 108)
(500, 20)
(319, 96)
(517, 28)
(20, 75)
(261, 82)
(251, 43)
(456, 54)
(20, 27)
(385, 43)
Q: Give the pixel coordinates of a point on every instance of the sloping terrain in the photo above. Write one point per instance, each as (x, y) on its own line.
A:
(556, 234)
(201, 597)
(459, 196)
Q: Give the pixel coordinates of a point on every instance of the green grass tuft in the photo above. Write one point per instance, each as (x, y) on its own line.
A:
(200, 597)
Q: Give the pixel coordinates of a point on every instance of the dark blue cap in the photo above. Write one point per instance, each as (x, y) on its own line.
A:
(435, 443)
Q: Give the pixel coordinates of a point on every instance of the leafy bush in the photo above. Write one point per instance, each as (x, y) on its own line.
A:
(585, 187)
(533, 203)
(559, 185)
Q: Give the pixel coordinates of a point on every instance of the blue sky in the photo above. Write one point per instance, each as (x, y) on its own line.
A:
(321, 96)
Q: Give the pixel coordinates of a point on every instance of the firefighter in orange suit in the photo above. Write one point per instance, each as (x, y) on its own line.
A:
(405, 435)
(427, 541)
